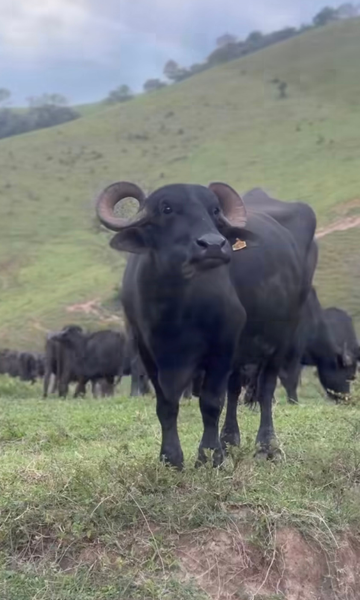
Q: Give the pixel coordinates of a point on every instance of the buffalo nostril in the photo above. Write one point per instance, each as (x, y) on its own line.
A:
(202, 243)
(211, 240)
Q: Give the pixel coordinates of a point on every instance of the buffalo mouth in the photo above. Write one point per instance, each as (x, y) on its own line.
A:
(337, 396)
(210, 260)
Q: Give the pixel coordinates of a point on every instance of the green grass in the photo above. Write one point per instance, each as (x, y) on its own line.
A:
(87, 511)
(225, 124)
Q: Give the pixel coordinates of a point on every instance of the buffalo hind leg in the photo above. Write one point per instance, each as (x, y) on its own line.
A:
(80, 389)
(47, 378)
(290, 380)
(230, 433)
(266, 444)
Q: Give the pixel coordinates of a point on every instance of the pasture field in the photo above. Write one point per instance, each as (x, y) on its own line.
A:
(225, 124)
(87, 512)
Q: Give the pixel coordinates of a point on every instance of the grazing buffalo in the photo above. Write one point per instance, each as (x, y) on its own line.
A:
(324, 339)
(329, 343)
(342, 329)
(94, 357)
(213, 282)
(27, 366)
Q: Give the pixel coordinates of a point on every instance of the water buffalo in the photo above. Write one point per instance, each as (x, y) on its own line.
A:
(213, 282)
(95, 357)
(27, 366)
(341, 326)
(59, 364)
(325, 339)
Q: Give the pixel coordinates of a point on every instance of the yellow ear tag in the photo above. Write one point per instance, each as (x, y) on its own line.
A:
(239, 245)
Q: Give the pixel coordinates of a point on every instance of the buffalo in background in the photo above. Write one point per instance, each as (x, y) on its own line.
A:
(324, 339)
(90, 357)
(27, 366)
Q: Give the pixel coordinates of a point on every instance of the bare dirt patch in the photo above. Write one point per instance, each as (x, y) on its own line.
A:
(94, 308)
(228, 565)
(339, 225)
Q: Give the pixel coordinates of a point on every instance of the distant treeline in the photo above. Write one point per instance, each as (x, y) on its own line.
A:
(45, 111)
(52, 109)
(229, 47)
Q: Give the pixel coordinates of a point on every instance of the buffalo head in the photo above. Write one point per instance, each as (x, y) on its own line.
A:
(336, 375)
(186, 227)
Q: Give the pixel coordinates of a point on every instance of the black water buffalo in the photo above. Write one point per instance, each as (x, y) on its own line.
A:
(94, 357)
(326, 339)
(343, 332)
(195, 304)
(9, 363)
(27, 366)
(59, 364)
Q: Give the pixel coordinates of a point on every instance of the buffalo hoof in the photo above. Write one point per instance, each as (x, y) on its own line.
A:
(205, 454)
(293, 402)
(271, 452)
(173, 459)
(229, 438)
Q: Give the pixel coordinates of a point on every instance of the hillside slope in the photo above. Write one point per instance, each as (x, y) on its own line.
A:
(225, 124)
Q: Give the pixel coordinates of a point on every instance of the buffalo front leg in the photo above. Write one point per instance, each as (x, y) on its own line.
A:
(230, 433)
(168, 387)
(266, 439)
(212, 398)
(167, 412)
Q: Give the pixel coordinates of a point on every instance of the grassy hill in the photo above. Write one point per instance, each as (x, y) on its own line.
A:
(225, 124)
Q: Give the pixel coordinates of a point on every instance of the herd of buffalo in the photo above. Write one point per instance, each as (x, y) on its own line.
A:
(218, 296)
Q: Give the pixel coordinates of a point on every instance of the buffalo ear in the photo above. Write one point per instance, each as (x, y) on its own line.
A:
(231, 203)
(129, 239)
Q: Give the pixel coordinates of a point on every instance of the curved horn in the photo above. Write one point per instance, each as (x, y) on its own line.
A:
(108, 199)
(232, 204)
(346, 356)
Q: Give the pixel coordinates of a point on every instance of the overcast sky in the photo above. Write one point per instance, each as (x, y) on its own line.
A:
(84, 48)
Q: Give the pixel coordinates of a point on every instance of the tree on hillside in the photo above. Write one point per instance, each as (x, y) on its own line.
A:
(254, 39)
(225, 39)
(325, 16)
(5, 96)
(198, 68)
(348, 11)
(47, 99)
(151, 85)
(121, 94)
(48, 115)
(224, 54)
(174, 72)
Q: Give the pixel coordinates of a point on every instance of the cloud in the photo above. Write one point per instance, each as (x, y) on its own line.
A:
(34, 29)
(41, 29)
(97, 44)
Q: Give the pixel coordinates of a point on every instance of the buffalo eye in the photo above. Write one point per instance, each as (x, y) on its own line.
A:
(166, 209)
(216, 211)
